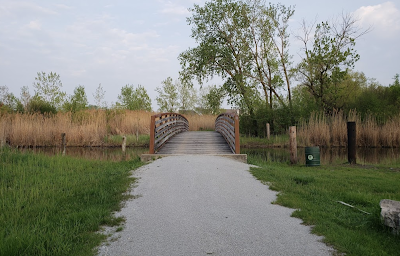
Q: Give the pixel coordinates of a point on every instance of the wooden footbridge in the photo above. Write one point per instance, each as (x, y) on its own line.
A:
(170, 135)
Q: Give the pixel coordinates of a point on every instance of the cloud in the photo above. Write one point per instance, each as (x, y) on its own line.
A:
(16, 9)
(63, 6)
(174, 9)
(35, 25)
(384, 18)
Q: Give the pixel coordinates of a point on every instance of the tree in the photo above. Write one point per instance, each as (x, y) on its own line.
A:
(211, 99)
(37, 105)
(325, 65)
(394, 90)
(218, 29)
(187, 96)
(268, 43)
(168, 99)
(48, 88)
(99, 97)
(396, 81)
(134, 98)
(245, 42)
(8, 101)
(78, 101)
(25, 97)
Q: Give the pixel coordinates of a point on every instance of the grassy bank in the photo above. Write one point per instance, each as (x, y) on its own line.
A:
(315, 193)
(54, 205)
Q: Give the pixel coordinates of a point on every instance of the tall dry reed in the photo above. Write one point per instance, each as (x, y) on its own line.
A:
(129, 122)
(84, 128)
(201, 122)
(322, 130)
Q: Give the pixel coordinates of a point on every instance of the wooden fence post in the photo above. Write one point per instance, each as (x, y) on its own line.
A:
(268, 131)
(63, 143)
(152, 127)
(124, 144)
(293, 145)
(351, 142)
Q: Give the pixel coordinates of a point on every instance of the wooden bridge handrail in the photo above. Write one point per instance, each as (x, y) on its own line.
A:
(227, 124)
(164, 126)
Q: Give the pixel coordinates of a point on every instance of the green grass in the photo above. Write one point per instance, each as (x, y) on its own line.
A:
(315, 192)
(55, 205)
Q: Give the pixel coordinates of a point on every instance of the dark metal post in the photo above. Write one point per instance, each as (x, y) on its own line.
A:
(351, 142)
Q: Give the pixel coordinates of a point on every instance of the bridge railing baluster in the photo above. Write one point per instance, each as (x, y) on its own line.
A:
(227, 124)
(164, 126)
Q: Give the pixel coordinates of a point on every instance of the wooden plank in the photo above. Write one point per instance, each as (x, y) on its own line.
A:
(196, 143)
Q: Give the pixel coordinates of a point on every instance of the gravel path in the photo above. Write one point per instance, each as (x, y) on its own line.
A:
(207, 205)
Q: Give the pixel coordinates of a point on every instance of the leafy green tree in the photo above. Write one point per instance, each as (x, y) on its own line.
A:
(217, 28)
(134, 98)
(244, 42)
(187, 96)
(78, 101)
(48, 89)
(168, 97)
(8, 102)
(99, 97)
(394, 90)
(350, 89)
(326, 64)
(211, 99)
(396, 81)
(25, 97)
(268, 44)
(37, 105)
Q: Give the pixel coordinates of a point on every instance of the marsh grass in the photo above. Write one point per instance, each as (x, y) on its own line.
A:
(322, 130)
(55, 205)
(85, 128)
(201, 122)
(315, 193)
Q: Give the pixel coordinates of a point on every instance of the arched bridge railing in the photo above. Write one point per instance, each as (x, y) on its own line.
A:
(163, 127)
(227, 125)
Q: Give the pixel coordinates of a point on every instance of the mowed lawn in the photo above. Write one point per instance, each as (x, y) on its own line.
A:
(55, 205)
(315, 193)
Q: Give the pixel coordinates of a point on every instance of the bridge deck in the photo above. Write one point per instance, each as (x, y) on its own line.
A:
(196, 143)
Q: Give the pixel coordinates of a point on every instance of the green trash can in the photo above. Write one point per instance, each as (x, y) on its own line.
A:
(312, 156)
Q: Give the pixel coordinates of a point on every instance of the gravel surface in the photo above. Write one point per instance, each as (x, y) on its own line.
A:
(207, 205)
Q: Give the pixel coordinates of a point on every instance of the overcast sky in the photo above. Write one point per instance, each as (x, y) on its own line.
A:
(123, 42)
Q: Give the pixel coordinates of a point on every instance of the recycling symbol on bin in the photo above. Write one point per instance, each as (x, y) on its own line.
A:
(310, 157)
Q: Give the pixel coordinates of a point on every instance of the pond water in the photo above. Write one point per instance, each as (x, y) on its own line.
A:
(334, 155)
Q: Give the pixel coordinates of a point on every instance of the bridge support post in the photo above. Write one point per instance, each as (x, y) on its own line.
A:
(152, 134)
(237, 135)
